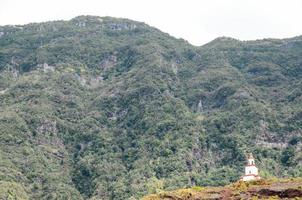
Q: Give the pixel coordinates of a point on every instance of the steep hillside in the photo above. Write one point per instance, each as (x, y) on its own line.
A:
(105, 108)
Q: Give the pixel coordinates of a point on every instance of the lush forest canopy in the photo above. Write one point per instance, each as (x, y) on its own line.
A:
(106, 108)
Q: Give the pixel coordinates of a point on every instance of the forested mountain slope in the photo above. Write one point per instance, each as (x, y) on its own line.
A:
(106, 108)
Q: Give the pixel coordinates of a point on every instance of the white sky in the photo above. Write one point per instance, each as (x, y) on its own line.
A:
(198, 21)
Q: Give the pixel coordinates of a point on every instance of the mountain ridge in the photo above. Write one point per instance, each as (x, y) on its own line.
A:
(95, 17)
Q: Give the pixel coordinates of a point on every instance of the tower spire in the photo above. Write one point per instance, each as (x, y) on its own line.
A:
(250, 156)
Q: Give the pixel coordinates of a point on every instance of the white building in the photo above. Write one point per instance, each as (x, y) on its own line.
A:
(251, 171)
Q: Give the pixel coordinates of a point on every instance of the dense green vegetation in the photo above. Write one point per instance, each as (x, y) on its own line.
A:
(105, 108)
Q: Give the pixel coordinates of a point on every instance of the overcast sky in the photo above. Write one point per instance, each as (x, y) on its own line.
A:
(198, 21)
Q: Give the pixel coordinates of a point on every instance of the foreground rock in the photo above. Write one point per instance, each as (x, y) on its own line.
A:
(262, 189)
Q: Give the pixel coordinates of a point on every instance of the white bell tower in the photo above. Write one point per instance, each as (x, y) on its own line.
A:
(251, 171)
